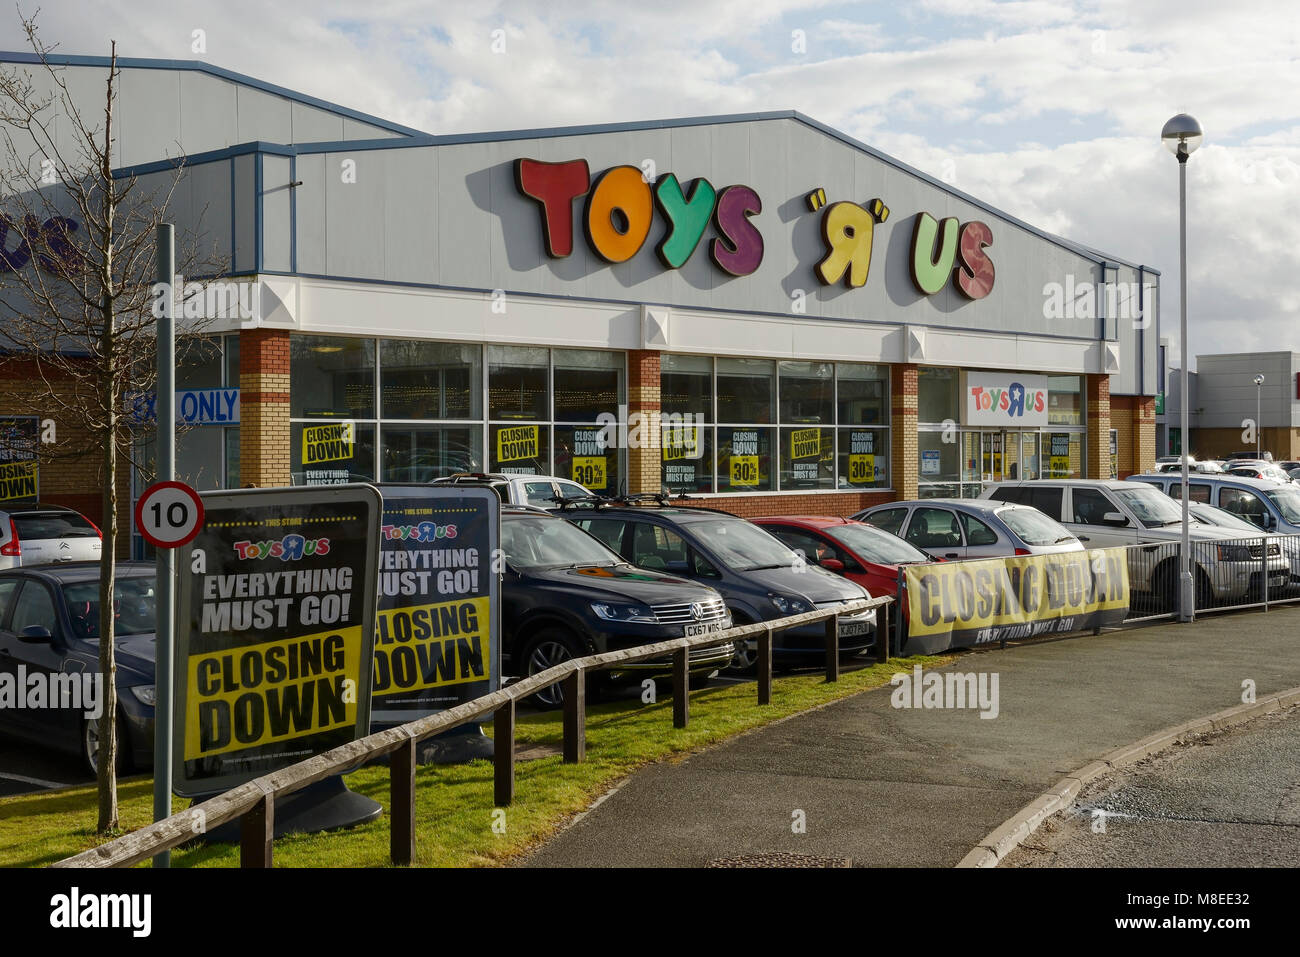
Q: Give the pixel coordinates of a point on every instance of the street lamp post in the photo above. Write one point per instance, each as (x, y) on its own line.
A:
(1259, 425)
(1181, 135)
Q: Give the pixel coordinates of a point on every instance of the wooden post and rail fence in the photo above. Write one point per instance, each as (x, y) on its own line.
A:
(254, 802)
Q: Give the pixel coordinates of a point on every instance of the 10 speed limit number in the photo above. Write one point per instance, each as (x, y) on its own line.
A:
(169, 514)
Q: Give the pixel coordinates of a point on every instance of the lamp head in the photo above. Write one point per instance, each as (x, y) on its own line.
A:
(1181, 135)
(1259, 380)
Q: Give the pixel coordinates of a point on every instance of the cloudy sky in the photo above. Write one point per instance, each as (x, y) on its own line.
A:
(1049, 110)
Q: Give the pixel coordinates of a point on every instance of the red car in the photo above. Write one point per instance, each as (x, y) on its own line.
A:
(859, 551)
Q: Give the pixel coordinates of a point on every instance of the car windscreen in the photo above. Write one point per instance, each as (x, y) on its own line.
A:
(1035, 528)
(538, 542)
(1152, 508)
(1287, 501)
(876, 544)
(133, 607)
(1213, 515)
(740, 546)
(34, 526)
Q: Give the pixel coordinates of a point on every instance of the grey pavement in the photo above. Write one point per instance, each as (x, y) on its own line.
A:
(1230, 799)
(879, 786)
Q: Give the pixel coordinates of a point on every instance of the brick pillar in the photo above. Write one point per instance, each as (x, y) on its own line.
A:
(1144, 433)
(264, 435)
(643, 472)
(1097, 388)
(903, 453)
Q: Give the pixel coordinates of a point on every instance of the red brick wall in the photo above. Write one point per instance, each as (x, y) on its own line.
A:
(264, 433)
(643, 462)
(904, 454)
(71, 470)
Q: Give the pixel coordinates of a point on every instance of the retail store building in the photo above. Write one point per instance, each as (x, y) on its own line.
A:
(756, 309)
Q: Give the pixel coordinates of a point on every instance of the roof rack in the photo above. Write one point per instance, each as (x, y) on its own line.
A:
(565, 502)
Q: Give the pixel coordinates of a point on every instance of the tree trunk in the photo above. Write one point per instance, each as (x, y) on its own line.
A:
(107, 766)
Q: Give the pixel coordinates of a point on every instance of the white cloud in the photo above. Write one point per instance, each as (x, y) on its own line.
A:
(1050, 110)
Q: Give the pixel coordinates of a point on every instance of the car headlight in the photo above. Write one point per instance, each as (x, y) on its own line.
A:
(611, 612)
(1234, 553)
(790, 605)
(145, 694)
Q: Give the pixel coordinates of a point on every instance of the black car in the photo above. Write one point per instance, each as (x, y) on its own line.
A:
(49, 626)
(758, 576)
(565, 595)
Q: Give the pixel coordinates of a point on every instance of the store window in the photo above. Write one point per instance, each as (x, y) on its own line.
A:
(938, 397)
(589, 386)
(331, 377)
(1064, 400)
(862, 402)
(686, 410)
(430, 380)
(832, 426)
(746, 395)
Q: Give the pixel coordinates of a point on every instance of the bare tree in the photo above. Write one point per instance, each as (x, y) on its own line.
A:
(77, 263)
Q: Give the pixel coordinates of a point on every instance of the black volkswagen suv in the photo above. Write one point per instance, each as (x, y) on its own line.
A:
(758, 576)
(565, 595)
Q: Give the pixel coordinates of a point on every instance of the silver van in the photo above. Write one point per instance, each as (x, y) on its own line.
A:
(1104, 513)
(1266, 505)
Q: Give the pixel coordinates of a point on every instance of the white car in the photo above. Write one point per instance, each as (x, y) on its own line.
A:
(1108, 512)
(542, 491)
(45, 534)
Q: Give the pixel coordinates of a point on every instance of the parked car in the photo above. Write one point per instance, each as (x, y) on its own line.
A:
(565, 595)
(860, 552)
(953, 529)
(1259, 470)
(1195, 465)
(543, 491)
(49, 625)
(1110, 512)
(1263, 506)
(759, 577)
(41, 534)
(1250, 456)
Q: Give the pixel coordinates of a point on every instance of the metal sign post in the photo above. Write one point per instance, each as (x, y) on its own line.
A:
(165, 558)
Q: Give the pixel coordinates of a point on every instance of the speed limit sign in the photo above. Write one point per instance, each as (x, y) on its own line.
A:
(169, 514)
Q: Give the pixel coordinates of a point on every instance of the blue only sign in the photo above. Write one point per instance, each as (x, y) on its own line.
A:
(193, 406)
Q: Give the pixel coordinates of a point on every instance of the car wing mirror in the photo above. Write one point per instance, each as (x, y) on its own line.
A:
(832, 564)
(1115, 518)
(35, 635)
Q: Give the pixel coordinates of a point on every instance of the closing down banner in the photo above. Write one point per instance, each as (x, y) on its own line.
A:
(961, 604)
(436, 644)
(274, 649)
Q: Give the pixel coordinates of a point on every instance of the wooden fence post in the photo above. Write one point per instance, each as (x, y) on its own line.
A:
(503, 754)
(401, 789)
(257, 833)
(575, 716)
(833, 648)
(681, 688)
(765, 667)
(882, 634)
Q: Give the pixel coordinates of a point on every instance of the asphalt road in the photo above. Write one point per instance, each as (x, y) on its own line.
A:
(882, 786)
(25, 767)
(1228, 800)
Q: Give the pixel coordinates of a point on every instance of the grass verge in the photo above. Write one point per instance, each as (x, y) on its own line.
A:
(454, 809)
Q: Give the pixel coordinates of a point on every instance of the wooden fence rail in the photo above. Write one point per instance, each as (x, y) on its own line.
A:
(254, 802)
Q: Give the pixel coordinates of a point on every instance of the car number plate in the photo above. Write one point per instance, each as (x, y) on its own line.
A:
(701, 628)
(850, 628)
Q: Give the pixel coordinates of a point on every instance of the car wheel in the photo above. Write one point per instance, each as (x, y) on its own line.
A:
(546, 649)
(90, 746)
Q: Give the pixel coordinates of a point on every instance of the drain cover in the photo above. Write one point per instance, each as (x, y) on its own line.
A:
(779, 859)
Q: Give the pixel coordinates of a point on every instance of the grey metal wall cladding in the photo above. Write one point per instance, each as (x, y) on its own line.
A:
(165, 113)
(451, 215)
(276, 198)
(245, 200)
